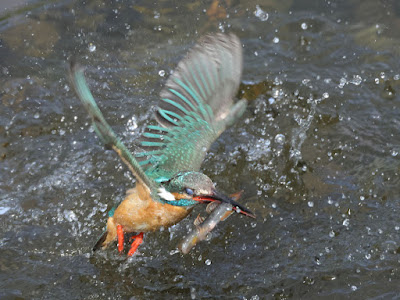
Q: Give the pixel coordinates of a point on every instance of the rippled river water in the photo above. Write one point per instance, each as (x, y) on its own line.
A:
(317, 151)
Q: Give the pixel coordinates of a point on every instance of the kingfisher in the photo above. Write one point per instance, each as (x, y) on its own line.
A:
(196, 106)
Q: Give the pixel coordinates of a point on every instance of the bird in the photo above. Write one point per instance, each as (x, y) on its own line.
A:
(196, 105)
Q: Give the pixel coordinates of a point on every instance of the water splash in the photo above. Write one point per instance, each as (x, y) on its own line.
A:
(260, 14)
(299, 134)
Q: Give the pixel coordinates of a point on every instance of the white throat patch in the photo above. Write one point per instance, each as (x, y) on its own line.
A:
(164, 194)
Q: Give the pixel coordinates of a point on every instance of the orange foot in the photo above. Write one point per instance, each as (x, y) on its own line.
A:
(120, 236)
(138, 239)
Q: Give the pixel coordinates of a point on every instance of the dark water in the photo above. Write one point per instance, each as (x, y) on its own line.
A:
(317, 151)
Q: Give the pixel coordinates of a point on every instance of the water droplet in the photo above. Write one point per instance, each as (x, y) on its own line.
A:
(3, 210)
(208, 262)
(271, 100)
(260, 14)
(368, 256)
(92, 47)
(353, 288)
(325, 95)
(192, 293)
(161, 73)
(394, 153)
(275, 40)
(304, 26)
(356, 80)
(310, 204)
(70, 216)
(280, 139)
(105, 86)
(172, 252)
(331, 234)
(346, 222)
(342, 82)
(5, 71)
(36, 115)
(362, 198)
(132, 124)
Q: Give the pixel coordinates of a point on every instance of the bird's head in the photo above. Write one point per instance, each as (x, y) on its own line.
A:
(190, 188)
(187, 186)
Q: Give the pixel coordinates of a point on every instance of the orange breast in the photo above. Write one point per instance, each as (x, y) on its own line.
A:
(139, 213)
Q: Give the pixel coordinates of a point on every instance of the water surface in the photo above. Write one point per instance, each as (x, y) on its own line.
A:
(317, 151)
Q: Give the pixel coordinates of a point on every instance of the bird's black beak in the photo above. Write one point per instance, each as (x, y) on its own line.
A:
(220, 197)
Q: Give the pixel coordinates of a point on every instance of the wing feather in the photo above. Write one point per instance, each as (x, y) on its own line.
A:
(105, 132)
(196, 106)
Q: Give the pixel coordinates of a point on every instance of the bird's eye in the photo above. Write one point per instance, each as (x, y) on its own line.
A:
(189, 191)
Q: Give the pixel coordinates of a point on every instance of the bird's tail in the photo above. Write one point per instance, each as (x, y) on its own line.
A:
(108, 236)
(100, 242)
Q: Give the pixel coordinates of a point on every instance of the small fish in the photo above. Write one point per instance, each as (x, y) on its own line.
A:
(219, 213)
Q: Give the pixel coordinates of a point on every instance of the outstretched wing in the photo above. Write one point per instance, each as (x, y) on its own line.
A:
(103, 130)
(196, 107)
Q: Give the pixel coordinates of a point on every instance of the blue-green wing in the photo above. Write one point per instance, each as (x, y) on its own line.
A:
(196, 106)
